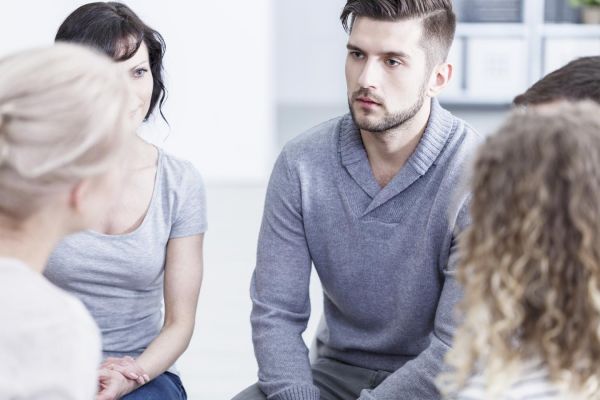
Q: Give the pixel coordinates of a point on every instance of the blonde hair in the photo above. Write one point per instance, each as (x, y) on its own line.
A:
(63, 118)
(530, 261)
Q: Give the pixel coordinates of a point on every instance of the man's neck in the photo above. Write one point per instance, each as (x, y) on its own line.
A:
(389, 151)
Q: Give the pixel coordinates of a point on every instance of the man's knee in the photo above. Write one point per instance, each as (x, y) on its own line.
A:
(251, 393)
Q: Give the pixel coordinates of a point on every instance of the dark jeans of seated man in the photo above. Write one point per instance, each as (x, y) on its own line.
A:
(335, 380)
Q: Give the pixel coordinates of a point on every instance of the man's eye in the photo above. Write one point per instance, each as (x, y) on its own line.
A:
(392, 62)
(356, 54)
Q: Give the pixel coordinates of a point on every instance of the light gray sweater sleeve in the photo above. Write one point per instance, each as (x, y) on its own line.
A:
(280, 292)
(416, 378)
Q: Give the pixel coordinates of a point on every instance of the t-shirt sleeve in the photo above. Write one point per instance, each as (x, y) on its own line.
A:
(190, 205)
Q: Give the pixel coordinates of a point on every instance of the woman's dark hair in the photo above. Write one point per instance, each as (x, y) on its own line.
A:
(117, 31)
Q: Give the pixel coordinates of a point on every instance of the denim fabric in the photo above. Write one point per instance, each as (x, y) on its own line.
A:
(164, 387)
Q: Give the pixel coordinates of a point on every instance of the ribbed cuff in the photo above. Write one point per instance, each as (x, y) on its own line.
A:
(298, 393)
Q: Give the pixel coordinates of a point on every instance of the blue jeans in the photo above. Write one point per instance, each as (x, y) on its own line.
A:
(164, 387)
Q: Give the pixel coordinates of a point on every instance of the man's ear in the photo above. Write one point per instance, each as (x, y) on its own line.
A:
(440, 76)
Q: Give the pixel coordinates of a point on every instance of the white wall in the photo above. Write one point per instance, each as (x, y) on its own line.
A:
(218, 66)
(310, 51)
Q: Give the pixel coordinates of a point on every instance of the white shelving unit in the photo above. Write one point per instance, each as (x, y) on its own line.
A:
(496, 61)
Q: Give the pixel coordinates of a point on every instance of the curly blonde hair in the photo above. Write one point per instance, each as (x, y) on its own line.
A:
(530, 260)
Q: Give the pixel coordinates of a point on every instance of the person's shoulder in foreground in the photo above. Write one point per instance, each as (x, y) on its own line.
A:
(50, 348)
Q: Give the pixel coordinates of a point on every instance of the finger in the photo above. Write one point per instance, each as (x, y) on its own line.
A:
(103, 373)
(136, 370)
(118, 362)
(130, 364)
(109, 360)
(128, 373)
(128, 367)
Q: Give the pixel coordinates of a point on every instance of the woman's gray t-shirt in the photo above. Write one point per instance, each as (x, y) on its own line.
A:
(119, 278)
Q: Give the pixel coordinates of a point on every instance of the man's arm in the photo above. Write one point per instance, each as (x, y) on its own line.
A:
(415, 380)
(280, 292)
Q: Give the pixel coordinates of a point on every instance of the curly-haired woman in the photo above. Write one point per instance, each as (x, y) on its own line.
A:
(531, 262)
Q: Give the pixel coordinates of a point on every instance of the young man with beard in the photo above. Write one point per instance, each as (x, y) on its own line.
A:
(368, 198)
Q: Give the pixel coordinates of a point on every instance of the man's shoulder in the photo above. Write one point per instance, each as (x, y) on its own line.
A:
(463, 143)
(315, 142)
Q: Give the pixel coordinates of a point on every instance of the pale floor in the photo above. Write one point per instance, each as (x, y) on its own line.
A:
(220, 361)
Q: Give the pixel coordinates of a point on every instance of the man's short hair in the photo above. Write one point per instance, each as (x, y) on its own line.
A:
(578, 80)
(438, 18)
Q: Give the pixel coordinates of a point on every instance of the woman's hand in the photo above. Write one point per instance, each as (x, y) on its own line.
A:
(113, 385)
(128, 367)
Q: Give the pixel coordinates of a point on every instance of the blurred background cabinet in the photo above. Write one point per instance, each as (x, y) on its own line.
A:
(504, 46)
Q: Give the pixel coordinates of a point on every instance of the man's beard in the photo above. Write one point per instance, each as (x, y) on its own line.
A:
(389, 121)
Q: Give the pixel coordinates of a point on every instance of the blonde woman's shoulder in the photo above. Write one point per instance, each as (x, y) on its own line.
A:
(49, 342)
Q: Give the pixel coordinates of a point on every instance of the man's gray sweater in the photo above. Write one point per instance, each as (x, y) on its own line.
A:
(385, 258)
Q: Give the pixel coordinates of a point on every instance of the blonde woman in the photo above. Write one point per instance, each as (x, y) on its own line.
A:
(64, 121)
(531, 262)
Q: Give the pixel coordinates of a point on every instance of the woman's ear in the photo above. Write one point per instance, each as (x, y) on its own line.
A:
(77, 194)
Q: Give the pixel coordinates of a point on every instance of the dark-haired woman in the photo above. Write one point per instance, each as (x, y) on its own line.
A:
(149, 251)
